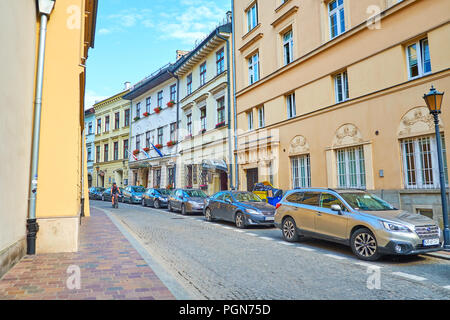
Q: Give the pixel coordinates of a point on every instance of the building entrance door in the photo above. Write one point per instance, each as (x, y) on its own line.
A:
(223, 181)
(252, 178)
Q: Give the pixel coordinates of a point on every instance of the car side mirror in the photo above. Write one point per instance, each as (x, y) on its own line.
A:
(337, 208)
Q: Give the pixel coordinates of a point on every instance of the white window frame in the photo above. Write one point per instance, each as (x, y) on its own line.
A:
(420, 58)
(253, 68)
(261, 117)
(338, 11)
(288, 47)
(250, 120)
(252, 17)
(360, 168)
(301, 171)
(341, 86)
(290, 105)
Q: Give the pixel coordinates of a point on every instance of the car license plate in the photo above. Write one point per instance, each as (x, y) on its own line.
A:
(430, 242)
(270, 218)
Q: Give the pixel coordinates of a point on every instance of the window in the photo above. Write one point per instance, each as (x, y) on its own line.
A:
(90, 128)
(173, 128)
(127, 117)
(337, 17)
(160, 98)
(253, 69)
(117, 120)
(148, 103)
(261, 121)
(125, 149)
(203, 118)
(311, 198)
(194, 174)
(138, 142)
(420, 162)
(351, 169)
(341, 87)
(220, 61)
(188, 176)
(202, 73)
(116, 150)
(221, 110)
(138, 109)
(171, 176)
(290, 103)
(97, 153)
(173, 93)
(106, 123)
(288, 47)
(301, 172)
(89, 154)
(327, 200)
(189, 123)
(147, 139)
(252, 17)
(99, 126)
(418, 55)
(296, 197)
(160, 135)
(157, 178)
(106, 152)
(189, 84)
(250, 120)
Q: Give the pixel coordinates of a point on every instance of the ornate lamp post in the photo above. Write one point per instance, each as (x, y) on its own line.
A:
(434, 103)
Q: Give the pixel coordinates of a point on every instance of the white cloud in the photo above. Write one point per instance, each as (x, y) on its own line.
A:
(90, 98)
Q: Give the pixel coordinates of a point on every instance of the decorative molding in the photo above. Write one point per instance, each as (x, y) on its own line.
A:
(418, 121)
(298, 145)
(347, 134)
(251, 41)
(288, 13)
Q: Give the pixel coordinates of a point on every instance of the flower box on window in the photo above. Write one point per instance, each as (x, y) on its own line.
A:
(169, 187)
(136, 118)
(171, 143)
(158, 146)
(136, 152)
(220, 124)
(202, 131)
(157, 109)
(188, 187)
(203, 186)
(146, 149)
(171, 103)
(146, 114)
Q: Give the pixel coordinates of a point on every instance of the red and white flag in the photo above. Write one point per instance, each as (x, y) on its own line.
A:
(135, 158)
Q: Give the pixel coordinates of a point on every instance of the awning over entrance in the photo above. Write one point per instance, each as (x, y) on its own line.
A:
(215, 165)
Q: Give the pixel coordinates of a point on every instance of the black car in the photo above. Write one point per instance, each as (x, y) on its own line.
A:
(156, 198)
(187, 200)
(95, 193)
(241, 207)
(106, 195)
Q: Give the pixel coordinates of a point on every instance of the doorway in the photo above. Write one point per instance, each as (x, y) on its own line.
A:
(223, 181)
(252, 178)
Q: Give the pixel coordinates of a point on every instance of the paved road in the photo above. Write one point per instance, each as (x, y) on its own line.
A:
(218, 261)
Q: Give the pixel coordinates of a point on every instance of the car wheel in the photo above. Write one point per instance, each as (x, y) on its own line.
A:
(364, 245)
(208, 215)
(143, 203)
(289, 230)
(103, 198)
(156, 204)
(239, 220)
(183, 210)
(169, 207)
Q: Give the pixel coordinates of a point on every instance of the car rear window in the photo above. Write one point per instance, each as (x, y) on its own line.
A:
(295, 197)
(311, 198)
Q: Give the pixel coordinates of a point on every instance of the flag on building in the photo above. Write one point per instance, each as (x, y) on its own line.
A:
(157, 150)
(135, 158)
(146, 154)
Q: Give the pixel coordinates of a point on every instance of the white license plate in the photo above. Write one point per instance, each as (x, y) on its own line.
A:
(270, 218)
(430, 242)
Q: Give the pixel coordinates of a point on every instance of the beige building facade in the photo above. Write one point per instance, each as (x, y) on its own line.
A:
(112, 130)
(329, 94)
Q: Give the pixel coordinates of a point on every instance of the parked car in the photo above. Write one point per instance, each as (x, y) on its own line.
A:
(106, 196)
(369, 225)
(156, 198)
(241, 207)
(95, 193)
(133, 194)
(187, 200)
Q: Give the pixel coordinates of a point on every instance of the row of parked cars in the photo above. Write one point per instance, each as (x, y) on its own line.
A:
(369, 225)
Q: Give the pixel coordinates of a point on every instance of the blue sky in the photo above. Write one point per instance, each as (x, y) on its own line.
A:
(136, 37)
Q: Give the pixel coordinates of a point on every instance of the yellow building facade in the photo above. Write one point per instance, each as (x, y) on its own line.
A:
(112, 130)
(329, 94)
(61, 163)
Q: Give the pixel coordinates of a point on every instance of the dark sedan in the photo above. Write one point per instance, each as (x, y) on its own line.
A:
(156, 198)
(133, 194)
(241, 207)
(95, 193)
(106, 196)
(187, 200)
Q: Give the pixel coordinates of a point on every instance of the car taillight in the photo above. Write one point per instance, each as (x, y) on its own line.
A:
(278, 205)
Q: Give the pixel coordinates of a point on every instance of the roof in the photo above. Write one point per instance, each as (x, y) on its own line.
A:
(89, 111)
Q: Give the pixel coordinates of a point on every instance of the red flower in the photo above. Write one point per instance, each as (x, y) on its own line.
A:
(158, 146)
(146, 149)
(146, 114)
(157, 109)
(220, 124)
(136, 152)
(171, 143)
(171, 103)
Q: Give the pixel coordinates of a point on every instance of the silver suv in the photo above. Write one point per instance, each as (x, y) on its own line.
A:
(370, 225)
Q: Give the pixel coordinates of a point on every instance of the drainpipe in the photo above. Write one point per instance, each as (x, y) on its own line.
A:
(83, 147)
(176, 128)
(230, 152)
(233, 30)
(45, 8)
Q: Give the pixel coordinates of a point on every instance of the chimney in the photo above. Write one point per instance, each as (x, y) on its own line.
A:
(181, 53)
(127, 85)
(229, 16)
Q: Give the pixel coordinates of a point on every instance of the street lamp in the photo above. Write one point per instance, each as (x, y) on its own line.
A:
(434, 103)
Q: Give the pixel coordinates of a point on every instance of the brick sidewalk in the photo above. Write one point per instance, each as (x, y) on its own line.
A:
(110, 269)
